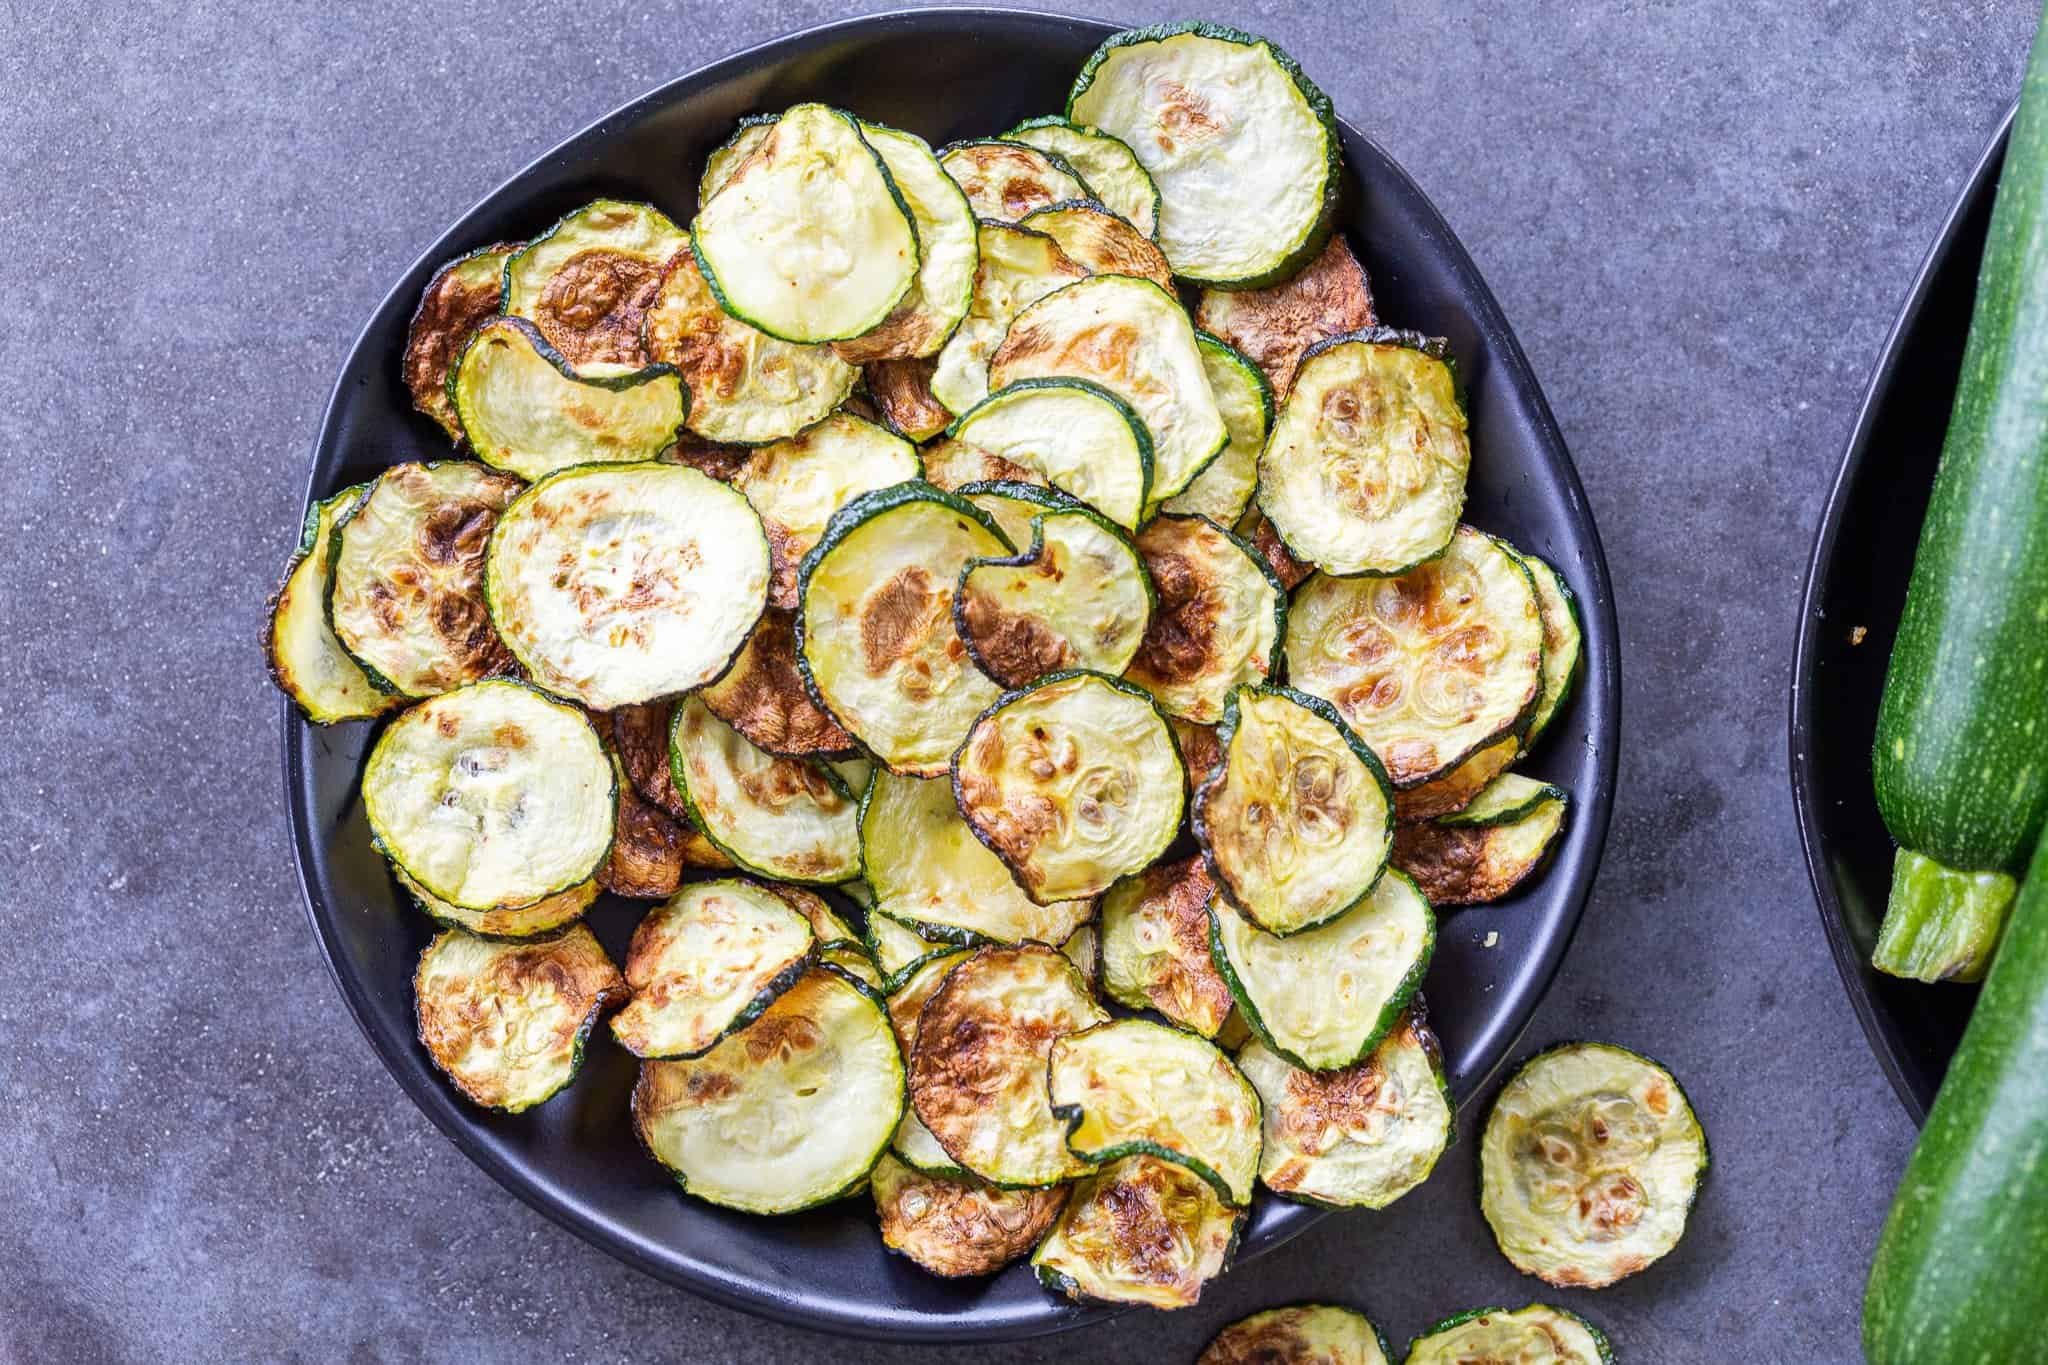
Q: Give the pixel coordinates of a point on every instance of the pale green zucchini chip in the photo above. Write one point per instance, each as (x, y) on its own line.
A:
(948, 252)
(1273, 326)
(1223, 490)
(1218, 621)
(798, 484)
(1141, 1231)
(1299, 1334)
(1082, 950)
(750, 132)
(1005, 180)
(1563, 642)
(544, 916)
(1555, 1336)
(1155, 946)
(1109, 166)
(1072, 434)
(762, 695)
(463, 295)
(587, 281)
(1101, 241)
(527, 411)
(955, 1226)
(1077, 598)
(793, 819)
(307, 663)
(706, 962)
(1474, 864)
(1503, 801)
(914, 1144)
(1017, 267)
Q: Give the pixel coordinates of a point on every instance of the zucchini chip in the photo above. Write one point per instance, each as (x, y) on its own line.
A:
(1014, 504)
(1131, 337)
(506, 1021)
(763, 696)
(527, 411)
(1554, 1336)
(977, 1074)
(947, 253)
(798, 484)
(1299, 1334)
(1563, 642)
(709, 961)
(1471, 865)
(492, 796)
(1018, 267)
(810, 239)
(307, 662)
(1503, 801)
(1218, 622)
(1070, 433)
(851, 958)
(1109, 166)
(1223, 490)
(1324, 998)
(875, 637)
(639, 735)
(1200, 749)
(1276, 324)
(1078, 598)
(955, 1227)
(1100, 240)
(1155, 946)
(745, 386)
(914, 1143)
(750, 132)
(1258, 533)
(617, 584)
(1429, 668)
(1241, 144)
(1297, 822)
(837, 943)
(522, 922)
(405, 581)
(900, 950)
(587, 281)
(1589, 1165)
(1005, 180)
(463, 295)
(1141, 1231)
(902, 394)
(791, 1112)
(792, 819)
(1131, 1086)
(1360, 1137)
(709, 458)
(1081, 950)
(1074, 782)
(647, 857)
(1460, 787)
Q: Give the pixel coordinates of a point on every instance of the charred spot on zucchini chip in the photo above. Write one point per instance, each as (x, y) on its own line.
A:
(1299, 1334)
(307, 662)
(1070, 433)
(1141, 1231)
(463, 295)
(1017, 267)
(1451, 792)
(955, 1226)
(1223, 490)
(793, 819)
(1155, 946)
(1109, 166)
(525, 409)
(1258, 533)
(763, 696)
(1102, 241)
(1474, 864)
(647, 855)
(1200, 748)
(947, 253)
(1218, 622)
(1077, 598)
(1006, 180)
(639, 735)
(1276, 324)
(709, 961)
(798, 484)
(587, 281)
(1554, 1336)
(902, 393)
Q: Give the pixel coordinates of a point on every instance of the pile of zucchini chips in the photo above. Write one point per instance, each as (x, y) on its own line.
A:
(1008, 605)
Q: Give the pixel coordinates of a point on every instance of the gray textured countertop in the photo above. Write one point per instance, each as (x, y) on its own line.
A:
(1699, 219)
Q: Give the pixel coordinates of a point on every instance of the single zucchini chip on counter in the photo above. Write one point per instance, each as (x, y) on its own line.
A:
(1563, 642)
(307, 662)
(1074, 782)
(902, 393)
(1078, 598)
(1276, 324)
(899, 950)
(947, 253)
(1218, 622)
(914, 1144)
(1451, 792)
(506, 1021)
(463, 295)
(958, 1227)
(1018, 267)
(587, 281)
(791, 1112)
(1503, 801)
(750, 132)
(1223, 490)
(1299, 1334)
(1070, 433)
(763, 696)
(526, 410)
(1100, 240)
(1155, 946)
(793, 819)
(1109, 166)
(1589, 1165)
(798, 484)
(1553, 1336)
(707, 962)
(1141, 1231)
(1474, 864)
(1013, 504)
(544, 916)
(1005, 180)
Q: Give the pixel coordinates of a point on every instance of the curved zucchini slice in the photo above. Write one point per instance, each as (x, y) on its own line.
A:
(798, 484)
(1590, 1163)
(1013, 503)
(1131, 1086)
(902, 394)
(1078, 598)
(1110, 167)
(1429, 668)
(1324, 998)
(792, 819)
(1100, 240)
(1471, 865)
(1155, 946)
(1563, 642)
(1141, 1231)
(791, 1112)
(838, 945)
(1242, 145)
(1298, 820)
(307, 662)
(526, 410)
(492, 796)
(1082, 950)
(1299, 1334)
(1260, 535)
(977, 1074)
(875, 635)
(1276, 324)
(522, 922)
(506, 1022)
(958, 1227)
(1070, 433)
(707, 962)
(947, 253)
(810, 239)
(1074, 782)
(1223, 490)
(853, 959)
(647, 857)
(1005, 180)
(1460, 787)
(725, 158)
(587, 281)
(898, 949)
(463, 295)
(639, 734)
(1219, 621)
(1503, 801)
(1200, 748)
(1365, 470)
(617, 584)
(914, 1143)
(1554, 1336)
(1018, 267)
(763, 696)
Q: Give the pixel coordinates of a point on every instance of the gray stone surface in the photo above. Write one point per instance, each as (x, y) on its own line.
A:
(1699, 218)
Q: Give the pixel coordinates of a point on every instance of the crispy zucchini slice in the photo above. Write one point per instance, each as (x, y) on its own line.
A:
(1100, 240)
(1471, 865)
(1242, 145)
(1276, 324)
(1070, 433)
(463, 295)
(725, 158)
(898, 949)
(1014, 503)
(1563, 642)
(853, 959)
(793, 819)
(1073, 782)
(1141, 1231)
(914, 1143)
(791, 1112)
(639, 735)
(1078, 598)
(1553, 1336)
(1082, 950)
(1324, 998)
(709, 961)
(1155, 946)
(977, 1074)
(837, 942)
(1218, 621)
(1429, 668)
(1005, 180)
(527, 411)
(810, 239)
(902, 394)
(506, 1022)
(307, 662)
(798, 484)
(1458, 788)
(875, 636)
(959, 1227)
(1297, 822)
(947, 253)
(1109, 166)
(1590, 1163)
(1200, 749)
(763, 696)
(521, 922)
(1260, 535)
(587, 281)
(647, 856)
(1503, 801)
(1223, 490)
(1299, 1334)
(1017, 267)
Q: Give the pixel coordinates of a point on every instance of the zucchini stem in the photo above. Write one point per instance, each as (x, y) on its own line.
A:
(1941, 924)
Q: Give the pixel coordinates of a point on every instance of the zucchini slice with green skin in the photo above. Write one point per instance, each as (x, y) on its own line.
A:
(1013, 504)
(587, 281)
(1299, 1334)
(977, 1074)
(492, 796)
(1131, 1087)
(1005, 180)
(957, 1227)
(792, 819)
(1104, 243)
(1140, 1231)
(1072, 434)
(1242, 145)
(1074, 782)
(901, 391)
(762, 695)
(1018, 267)
(1941, 924)
(898, 949)
(463, 295)
(1109, 166)
(1155, 946)
(1365, 470)
(1451, 792)
(791, 1112)
(853, 959)
(307, 662)
(948, 252)
(750, 132)
(1563, 642)
(506, 1022)
(1223, 490)
(707, 962)
(1503, 801)
(1537, 1333)
(798, 484)
(837, 942)
(1219, 621)
(1258, 533)
(528, 411)
(1589, 1164)
(1324, 998)
(914, 1144)
(1297, 821)
(1475, 864)
(1329, 297)
(1078, 598)
(810, 239)
(520, 922)
(1430, 667)
(1081, 950)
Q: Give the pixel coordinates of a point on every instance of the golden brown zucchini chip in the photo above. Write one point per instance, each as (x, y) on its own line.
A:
(1471, 865)
(307, 662)
(798, 484)
(1218, 622)
(1555, 1336)
(1109, 166)
(792, 819)
(902, 394)
(525, 409)
(1013, 504)
(914, 1143)
(1141, 1231)
(1276, 324)
(1155, 946)
(1458, 788)
(1070, 433)
(463, 295)
(957, 1227)
(639, 735)
(967, 471)
(1006, 180)
(707, 962)
(763, 696)
(1563, 642)
(1223, 490)
(1258, 533)
(646, 861)
(522, 922)
(947, 253)
(1102, 241)
(586, 282)
(1077, 598)
(1018, 266)
(1299, 1334)
(709, 458)
(1200, 749)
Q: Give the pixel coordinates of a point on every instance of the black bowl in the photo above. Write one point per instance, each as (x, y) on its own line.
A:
(575, 1159)
(1855, 590)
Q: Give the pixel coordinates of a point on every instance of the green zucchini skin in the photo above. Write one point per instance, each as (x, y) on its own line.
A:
(1958, 1273)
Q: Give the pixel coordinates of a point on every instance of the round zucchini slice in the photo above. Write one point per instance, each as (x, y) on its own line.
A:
(763, 696)
(527, 411)
(1219, 620)
(1298, 820)
(1018, 267)
(492, 796)
(307, 662)
(1070, 433)
(1563, 642)
(1155, 946)
(1073, 782)
(617, 584)
(902, 394)
(1276, 324)
(463, 295)
(914, 1143)
(810, 239)
(725, 158)
(1299, 1334)
(875, 636)
(1141, 1231)
(1102, 241)
(587, 281)
(977, 1074)
(1324, 998)
(958, 1227)
(1223, 490)
(1013, 504)
(543, 917)
(1109, 166)
(898, 949)
(506, 1022)
(793, 819)
(791, 1112)
(1429, 668)
(1589, 1165)
(1460, 787)
(947, 253)
(1475, 864)
(707, 962)
(798, 484)
(1078, 598)
(1242, 145)
(1538, 1333)
(1005, 180)
(1131, 1086)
